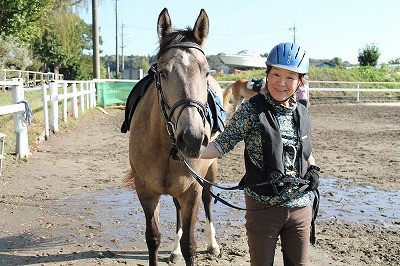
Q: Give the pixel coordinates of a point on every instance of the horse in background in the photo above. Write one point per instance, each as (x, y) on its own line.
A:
(170, 118)
(243, 89)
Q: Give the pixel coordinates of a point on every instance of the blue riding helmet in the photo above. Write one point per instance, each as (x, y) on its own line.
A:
(289, 56)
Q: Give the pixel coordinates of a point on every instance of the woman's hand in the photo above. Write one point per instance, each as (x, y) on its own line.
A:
(312, 176)
(210, 152)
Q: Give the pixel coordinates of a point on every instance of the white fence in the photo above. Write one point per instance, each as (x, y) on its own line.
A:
(30, 78)
(82, 95)
(355, 87)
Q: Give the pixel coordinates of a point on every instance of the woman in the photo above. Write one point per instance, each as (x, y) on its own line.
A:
(276, 132)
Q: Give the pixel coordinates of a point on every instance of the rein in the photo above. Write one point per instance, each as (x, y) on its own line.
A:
(217, 198)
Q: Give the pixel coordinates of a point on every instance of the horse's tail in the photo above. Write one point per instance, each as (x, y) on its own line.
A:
(129, 180)
(227, 96)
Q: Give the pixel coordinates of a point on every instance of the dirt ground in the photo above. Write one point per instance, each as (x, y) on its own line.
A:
(66, 204)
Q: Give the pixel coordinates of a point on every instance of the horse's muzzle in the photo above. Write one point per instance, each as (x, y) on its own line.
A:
(191, 144)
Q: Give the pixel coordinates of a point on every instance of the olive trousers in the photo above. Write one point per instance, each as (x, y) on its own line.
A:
(263, 228)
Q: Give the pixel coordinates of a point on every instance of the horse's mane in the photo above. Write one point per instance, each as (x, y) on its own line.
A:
(175, 37)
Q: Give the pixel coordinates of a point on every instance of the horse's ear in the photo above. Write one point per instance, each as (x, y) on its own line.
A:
(164, 24)
(201, 27)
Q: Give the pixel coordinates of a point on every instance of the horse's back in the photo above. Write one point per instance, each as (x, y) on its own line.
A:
(215, 86)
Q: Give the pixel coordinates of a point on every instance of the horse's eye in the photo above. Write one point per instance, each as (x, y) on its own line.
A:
(163, 75)
(207, 74)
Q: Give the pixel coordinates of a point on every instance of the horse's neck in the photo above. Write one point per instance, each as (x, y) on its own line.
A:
(156, 125)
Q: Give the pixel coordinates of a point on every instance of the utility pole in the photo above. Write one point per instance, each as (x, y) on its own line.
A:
(116, 40)
(95, 37)
(294, 32)
(122, 50)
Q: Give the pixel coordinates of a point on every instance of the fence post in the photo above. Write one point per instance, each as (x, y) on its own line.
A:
(20, 128)
(88, 94)
(358, 92)
(45, 112)
(81, 97)
(93, 97)
(74, 101)
(54, 106)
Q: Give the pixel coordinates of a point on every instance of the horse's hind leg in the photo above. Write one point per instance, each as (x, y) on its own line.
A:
(237, 103)
(176, 253)
(212, 245)
(151, 210)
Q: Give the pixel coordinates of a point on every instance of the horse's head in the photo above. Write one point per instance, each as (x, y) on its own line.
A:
(182, 74)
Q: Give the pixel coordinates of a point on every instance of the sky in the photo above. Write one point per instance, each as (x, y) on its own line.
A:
(324, 28)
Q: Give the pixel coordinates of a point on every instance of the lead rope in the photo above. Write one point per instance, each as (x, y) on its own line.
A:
(217, 198)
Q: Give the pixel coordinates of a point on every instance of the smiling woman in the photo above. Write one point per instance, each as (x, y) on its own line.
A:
(281, 176)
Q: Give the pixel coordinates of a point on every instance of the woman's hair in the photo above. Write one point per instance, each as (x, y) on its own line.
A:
(302, 77)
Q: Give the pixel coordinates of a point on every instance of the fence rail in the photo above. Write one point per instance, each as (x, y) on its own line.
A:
(30, 78)
(81, 94)
(354, 87)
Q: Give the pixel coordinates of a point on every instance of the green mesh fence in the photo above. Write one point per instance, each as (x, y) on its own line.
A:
(113, 92)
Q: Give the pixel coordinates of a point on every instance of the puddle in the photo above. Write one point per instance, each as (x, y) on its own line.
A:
(352, 201)
(119, 211)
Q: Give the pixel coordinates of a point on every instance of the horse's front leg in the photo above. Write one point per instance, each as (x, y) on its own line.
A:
(190, 209)
(151, 210)
(212, 245)
(176, 253)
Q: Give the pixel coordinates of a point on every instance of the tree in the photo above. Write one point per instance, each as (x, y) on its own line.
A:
(338, 62)
(214, 61)
(20, 18)
(395, 61)
(65, 37)
(144, 64)
(369, 55)
(13, 54)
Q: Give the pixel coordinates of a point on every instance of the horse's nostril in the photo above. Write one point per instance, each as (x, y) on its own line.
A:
(205, 140)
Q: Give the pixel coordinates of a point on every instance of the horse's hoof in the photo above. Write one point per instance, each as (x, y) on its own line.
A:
(213, 250)
(174, 258)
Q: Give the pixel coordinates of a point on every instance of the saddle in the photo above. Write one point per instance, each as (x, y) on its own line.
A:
(216, 114)
(256, 84)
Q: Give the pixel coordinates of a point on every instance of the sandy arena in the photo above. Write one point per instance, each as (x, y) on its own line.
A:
(67, 206)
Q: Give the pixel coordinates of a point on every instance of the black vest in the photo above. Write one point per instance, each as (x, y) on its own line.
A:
(273, 170)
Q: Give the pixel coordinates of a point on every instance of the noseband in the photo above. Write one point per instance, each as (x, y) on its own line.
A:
(167, 110)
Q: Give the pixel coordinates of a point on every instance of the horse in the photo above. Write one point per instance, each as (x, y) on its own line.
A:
(170, 119)
(241, 91)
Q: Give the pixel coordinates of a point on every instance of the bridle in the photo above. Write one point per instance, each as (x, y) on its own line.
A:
(167, 110)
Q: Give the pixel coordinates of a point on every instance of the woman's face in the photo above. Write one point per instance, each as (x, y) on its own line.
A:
(282, 84)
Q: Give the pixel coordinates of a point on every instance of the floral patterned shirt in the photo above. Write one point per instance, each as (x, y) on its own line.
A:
(245, 125)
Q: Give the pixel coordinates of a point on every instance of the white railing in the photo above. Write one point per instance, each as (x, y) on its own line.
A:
(82, 95)
(30, 78)
(18, 109)
(353, 87)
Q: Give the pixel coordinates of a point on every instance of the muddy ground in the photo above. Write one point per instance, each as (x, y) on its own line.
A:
(66, 204)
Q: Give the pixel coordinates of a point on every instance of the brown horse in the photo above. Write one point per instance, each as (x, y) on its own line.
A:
(171, 114)
(240, 91)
